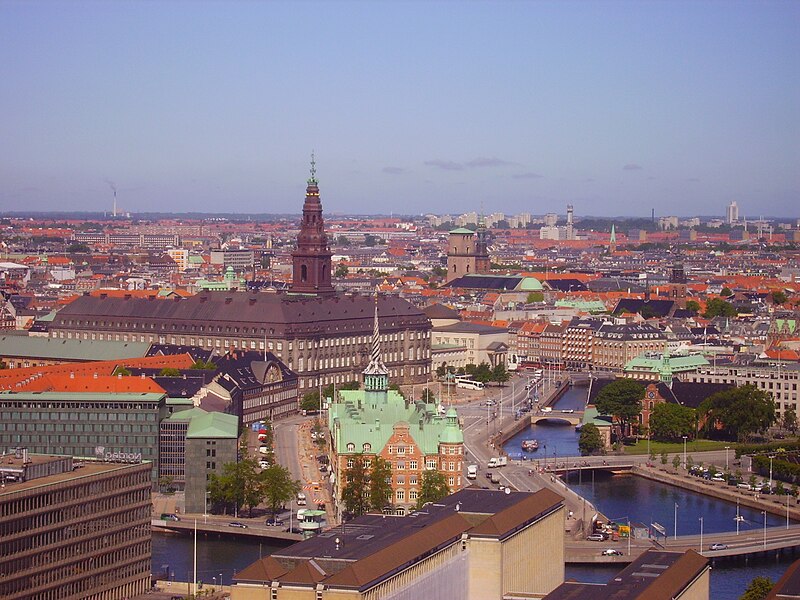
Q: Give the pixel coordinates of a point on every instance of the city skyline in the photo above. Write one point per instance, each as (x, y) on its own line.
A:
(615, 107)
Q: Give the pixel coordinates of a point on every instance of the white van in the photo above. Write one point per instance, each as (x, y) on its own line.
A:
(301, 499)
(492, 463)
(472, 471)
(546, 409)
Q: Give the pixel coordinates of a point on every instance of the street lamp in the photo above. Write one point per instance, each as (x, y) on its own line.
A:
(701, 534)
(726, 457)
(763, 512)
(684, 452)
(675, 530)
(770, 472)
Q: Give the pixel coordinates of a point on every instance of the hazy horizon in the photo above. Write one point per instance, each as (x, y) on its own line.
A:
(411, 108)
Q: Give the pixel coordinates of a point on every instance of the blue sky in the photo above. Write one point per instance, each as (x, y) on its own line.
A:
(411, 107)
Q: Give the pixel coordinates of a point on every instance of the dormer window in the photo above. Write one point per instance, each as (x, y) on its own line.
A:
(367, 447)
(351, 447)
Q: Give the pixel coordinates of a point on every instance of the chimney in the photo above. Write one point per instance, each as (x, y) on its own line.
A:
(95, 375)
(72, 375)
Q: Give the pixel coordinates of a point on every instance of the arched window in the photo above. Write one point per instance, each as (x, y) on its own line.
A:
(351, 447)
(303, 273)
(367, 447)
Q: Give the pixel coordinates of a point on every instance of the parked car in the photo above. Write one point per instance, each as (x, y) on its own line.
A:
(301, 499)
(718, 547)
(611, 552)
(169, 517)
(237, 524)
(273, 522)
(596, 537)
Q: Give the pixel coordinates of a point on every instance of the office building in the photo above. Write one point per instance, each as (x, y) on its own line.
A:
(73, 530)
(732, 213)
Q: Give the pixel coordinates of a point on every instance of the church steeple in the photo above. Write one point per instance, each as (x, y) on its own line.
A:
(376, 375)
(311, 261)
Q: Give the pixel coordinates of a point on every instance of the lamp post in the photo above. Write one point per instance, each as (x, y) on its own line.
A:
(675, 530)
(684, 452)
(770, 472)
(726, 457)
(701, 534)
(787, 511)
(763, 512)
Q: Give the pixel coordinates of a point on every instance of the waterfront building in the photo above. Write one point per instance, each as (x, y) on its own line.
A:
(654, 574)
(411, 436)
(473, 545)
(194, 444)
(614, 346)
(73, 530)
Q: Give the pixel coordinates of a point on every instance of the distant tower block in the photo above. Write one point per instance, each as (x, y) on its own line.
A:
(678, 285)
(732, 213)
(482, 262)
(570, 229)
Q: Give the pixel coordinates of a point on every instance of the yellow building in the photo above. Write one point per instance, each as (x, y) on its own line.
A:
(475, 544)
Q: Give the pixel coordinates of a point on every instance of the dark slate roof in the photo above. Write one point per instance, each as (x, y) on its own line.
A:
(195, 352)
(612, 284)
(660, 308)
(255, 314)
(567, 285)
(247, 369)
(692, 394)
(440, 311)
(486, 282)
(180, 387)
(467, 327)
(788, 586)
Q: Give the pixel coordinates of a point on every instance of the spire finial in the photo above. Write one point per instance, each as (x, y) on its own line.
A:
(376, 365)
(313, 169)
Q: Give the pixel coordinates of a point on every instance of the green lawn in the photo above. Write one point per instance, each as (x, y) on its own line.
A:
(671, 448)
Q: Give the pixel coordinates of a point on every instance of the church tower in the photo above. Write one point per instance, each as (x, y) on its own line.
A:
(376, 375)
(482, 263)
(311, 261)
(678, 285)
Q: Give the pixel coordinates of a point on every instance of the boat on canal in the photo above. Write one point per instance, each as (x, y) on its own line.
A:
(530, 445)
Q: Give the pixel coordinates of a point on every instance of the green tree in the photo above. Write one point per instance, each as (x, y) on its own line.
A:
(165, 483)
(203, 365)
(670, 422)
(534, 297)
(169, 372)
(343, 241)
(590, 440)
(693, 306)
(717, 307)
(428, 396)
(355, 493)
(789, 420)
(341, 270)
(779, 297)
(278, 487)
(439, 271)
(483, 372)
(310, 401)
(676, 462)
(663, 458)
(125, 372)
(78, 248)
(758, 589)
(239, 484)
(739, 412)
(500, 374)
(396, 387)
(726, 291)
(622, 399)
(380, 484)
(433, 488)
(372, 240)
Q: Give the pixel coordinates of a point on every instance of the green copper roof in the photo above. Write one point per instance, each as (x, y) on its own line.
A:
(463, 231)
(57, 348)
(530, 284)
(203, 424)
(592, 306)
(360, 417)
(676, 364)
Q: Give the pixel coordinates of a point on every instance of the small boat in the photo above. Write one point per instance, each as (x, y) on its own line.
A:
(739, 518)
(530, 445)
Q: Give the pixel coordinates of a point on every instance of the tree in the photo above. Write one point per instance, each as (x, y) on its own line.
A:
(483, 372)
(428, 397)
(717, 307)
(169, 372)
(758, 589)
(78, 248)
(310, 401)
(341, 270)
(789, 420)
(125, 372)
(779, 297)
(165, 484)
(433, 488)
(372, 240)
(622, 399)
(676, 461)
(670, 422)
(663, 458)
(239, 484)
(380, 484)
(203, 365)
(739, 412)
(500, 374)
(534, 297)
(439, 271)
(396, 387)
(693, 306)
(355, 493)
(590, 440)
(278, 487)
(343, 241)
(726, 291)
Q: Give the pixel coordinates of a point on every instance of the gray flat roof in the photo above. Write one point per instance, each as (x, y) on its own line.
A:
(69, 350)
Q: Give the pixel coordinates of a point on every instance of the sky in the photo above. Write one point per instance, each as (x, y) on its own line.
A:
(617, 108)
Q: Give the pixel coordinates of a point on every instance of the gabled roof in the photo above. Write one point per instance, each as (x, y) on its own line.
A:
(440, 311)
(264, 569)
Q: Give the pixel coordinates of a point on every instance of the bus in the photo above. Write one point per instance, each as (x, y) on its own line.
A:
(468, 384)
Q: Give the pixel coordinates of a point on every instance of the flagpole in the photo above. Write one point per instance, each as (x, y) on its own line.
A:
(195, 557)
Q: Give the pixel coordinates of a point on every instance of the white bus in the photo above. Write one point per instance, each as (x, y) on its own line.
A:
(468, 384)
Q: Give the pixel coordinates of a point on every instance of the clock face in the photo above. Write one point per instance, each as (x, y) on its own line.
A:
(651, 394)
